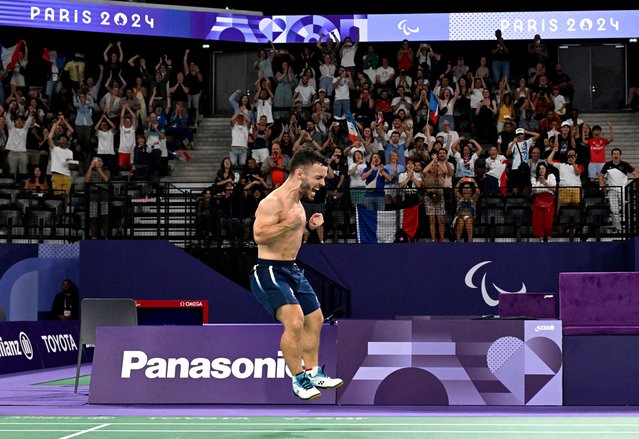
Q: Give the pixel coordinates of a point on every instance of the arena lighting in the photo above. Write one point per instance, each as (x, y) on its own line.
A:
(253, 27)
(206, 46)
(632, 40)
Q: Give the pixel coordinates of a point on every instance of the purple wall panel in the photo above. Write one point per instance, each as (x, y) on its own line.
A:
(450, 362)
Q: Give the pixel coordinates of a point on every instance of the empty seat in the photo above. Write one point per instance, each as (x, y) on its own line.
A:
(518, 215)
(492, 215)
(597, 215)
(10, 216)
(569, 215)
(41, 217)
(516, 200)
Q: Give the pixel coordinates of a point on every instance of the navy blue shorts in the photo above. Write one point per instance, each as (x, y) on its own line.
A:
(278, 283)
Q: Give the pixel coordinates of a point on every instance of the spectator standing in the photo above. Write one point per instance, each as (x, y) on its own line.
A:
(518, 151)
(435, 177)
(569, 178)
(239, 139)
(613, 178)
(61, 156)
(597, 145)
(194, 80)
(544, 186)
(16, 145)
(98, 178)
(84, 105)
(537, 54)
(263, 101)
(501, 58)
(105, 132)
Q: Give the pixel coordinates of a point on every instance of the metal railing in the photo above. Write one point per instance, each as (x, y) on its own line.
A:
(145, 210)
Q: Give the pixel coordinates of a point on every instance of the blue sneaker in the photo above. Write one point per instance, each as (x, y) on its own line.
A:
(303, 387)
(321, 380)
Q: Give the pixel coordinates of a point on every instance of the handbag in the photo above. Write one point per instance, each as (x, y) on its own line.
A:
(543, 204)
(524, 168)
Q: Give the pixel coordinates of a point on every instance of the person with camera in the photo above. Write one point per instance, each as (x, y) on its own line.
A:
(466, 194)
(337, 179)
(252, 177)
(544, 186)
(309, 138)
(277, 166)
(569, 177)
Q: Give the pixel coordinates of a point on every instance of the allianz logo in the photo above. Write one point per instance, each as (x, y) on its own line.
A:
(540, 328)
(16, 348)
(138, 362)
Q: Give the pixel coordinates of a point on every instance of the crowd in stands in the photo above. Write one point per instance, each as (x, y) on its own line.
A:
(414, 127)
(59, 111)
(400, 127)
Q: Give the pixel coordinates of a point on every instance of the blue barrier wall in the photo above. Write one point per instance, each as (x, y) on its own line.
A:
(455, 279)
(160, 270)
(385, 280)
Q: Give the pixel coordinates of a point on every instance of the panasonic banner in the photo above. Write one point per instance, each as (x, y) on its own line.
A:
(210, 364)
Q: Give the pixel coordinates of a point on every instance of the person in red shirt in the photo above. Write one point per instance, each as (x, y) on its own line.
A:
(277, 166)
(597, 145)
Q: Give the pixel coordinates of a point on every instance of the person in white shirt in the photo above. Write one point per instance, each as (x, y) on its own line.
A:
(239, 139)
(402, 101)
(61, 159)
(347, 54)
(342, 84)
(569, 178)
(494, 168)
(105, 132)
(306, 93)
(128, 123)
(385, 77)
(17, 157)
(614, 176)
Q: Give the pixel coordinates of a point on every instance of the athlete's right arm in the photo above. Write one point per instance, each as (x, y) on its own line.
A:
(268, 225)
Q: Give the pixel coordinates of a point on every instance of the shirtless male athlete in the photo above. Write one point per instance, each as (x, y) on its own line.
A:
(279, 284)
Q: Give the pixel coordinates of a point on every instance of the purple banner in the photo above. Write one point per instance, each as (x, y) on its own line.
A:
(212, 24)
(450, 362)
(38, 345)
(211, 364)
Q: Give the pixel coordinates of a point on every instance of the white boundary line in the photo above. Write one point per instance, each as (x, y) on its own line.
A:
(97, 427)
(349, 424)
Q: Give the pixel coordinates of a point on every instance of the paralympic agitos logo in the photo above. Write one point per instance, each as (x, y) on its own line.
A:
(470, 283)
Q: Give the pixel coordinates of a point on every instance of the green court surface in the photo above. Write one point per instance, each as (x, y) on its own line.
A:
(453, 427)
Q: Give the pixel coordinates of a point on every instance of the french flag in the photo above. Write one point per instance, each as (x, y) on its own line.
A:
(377, 227)
(10, 55)
(433, 103)
(353, 134)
